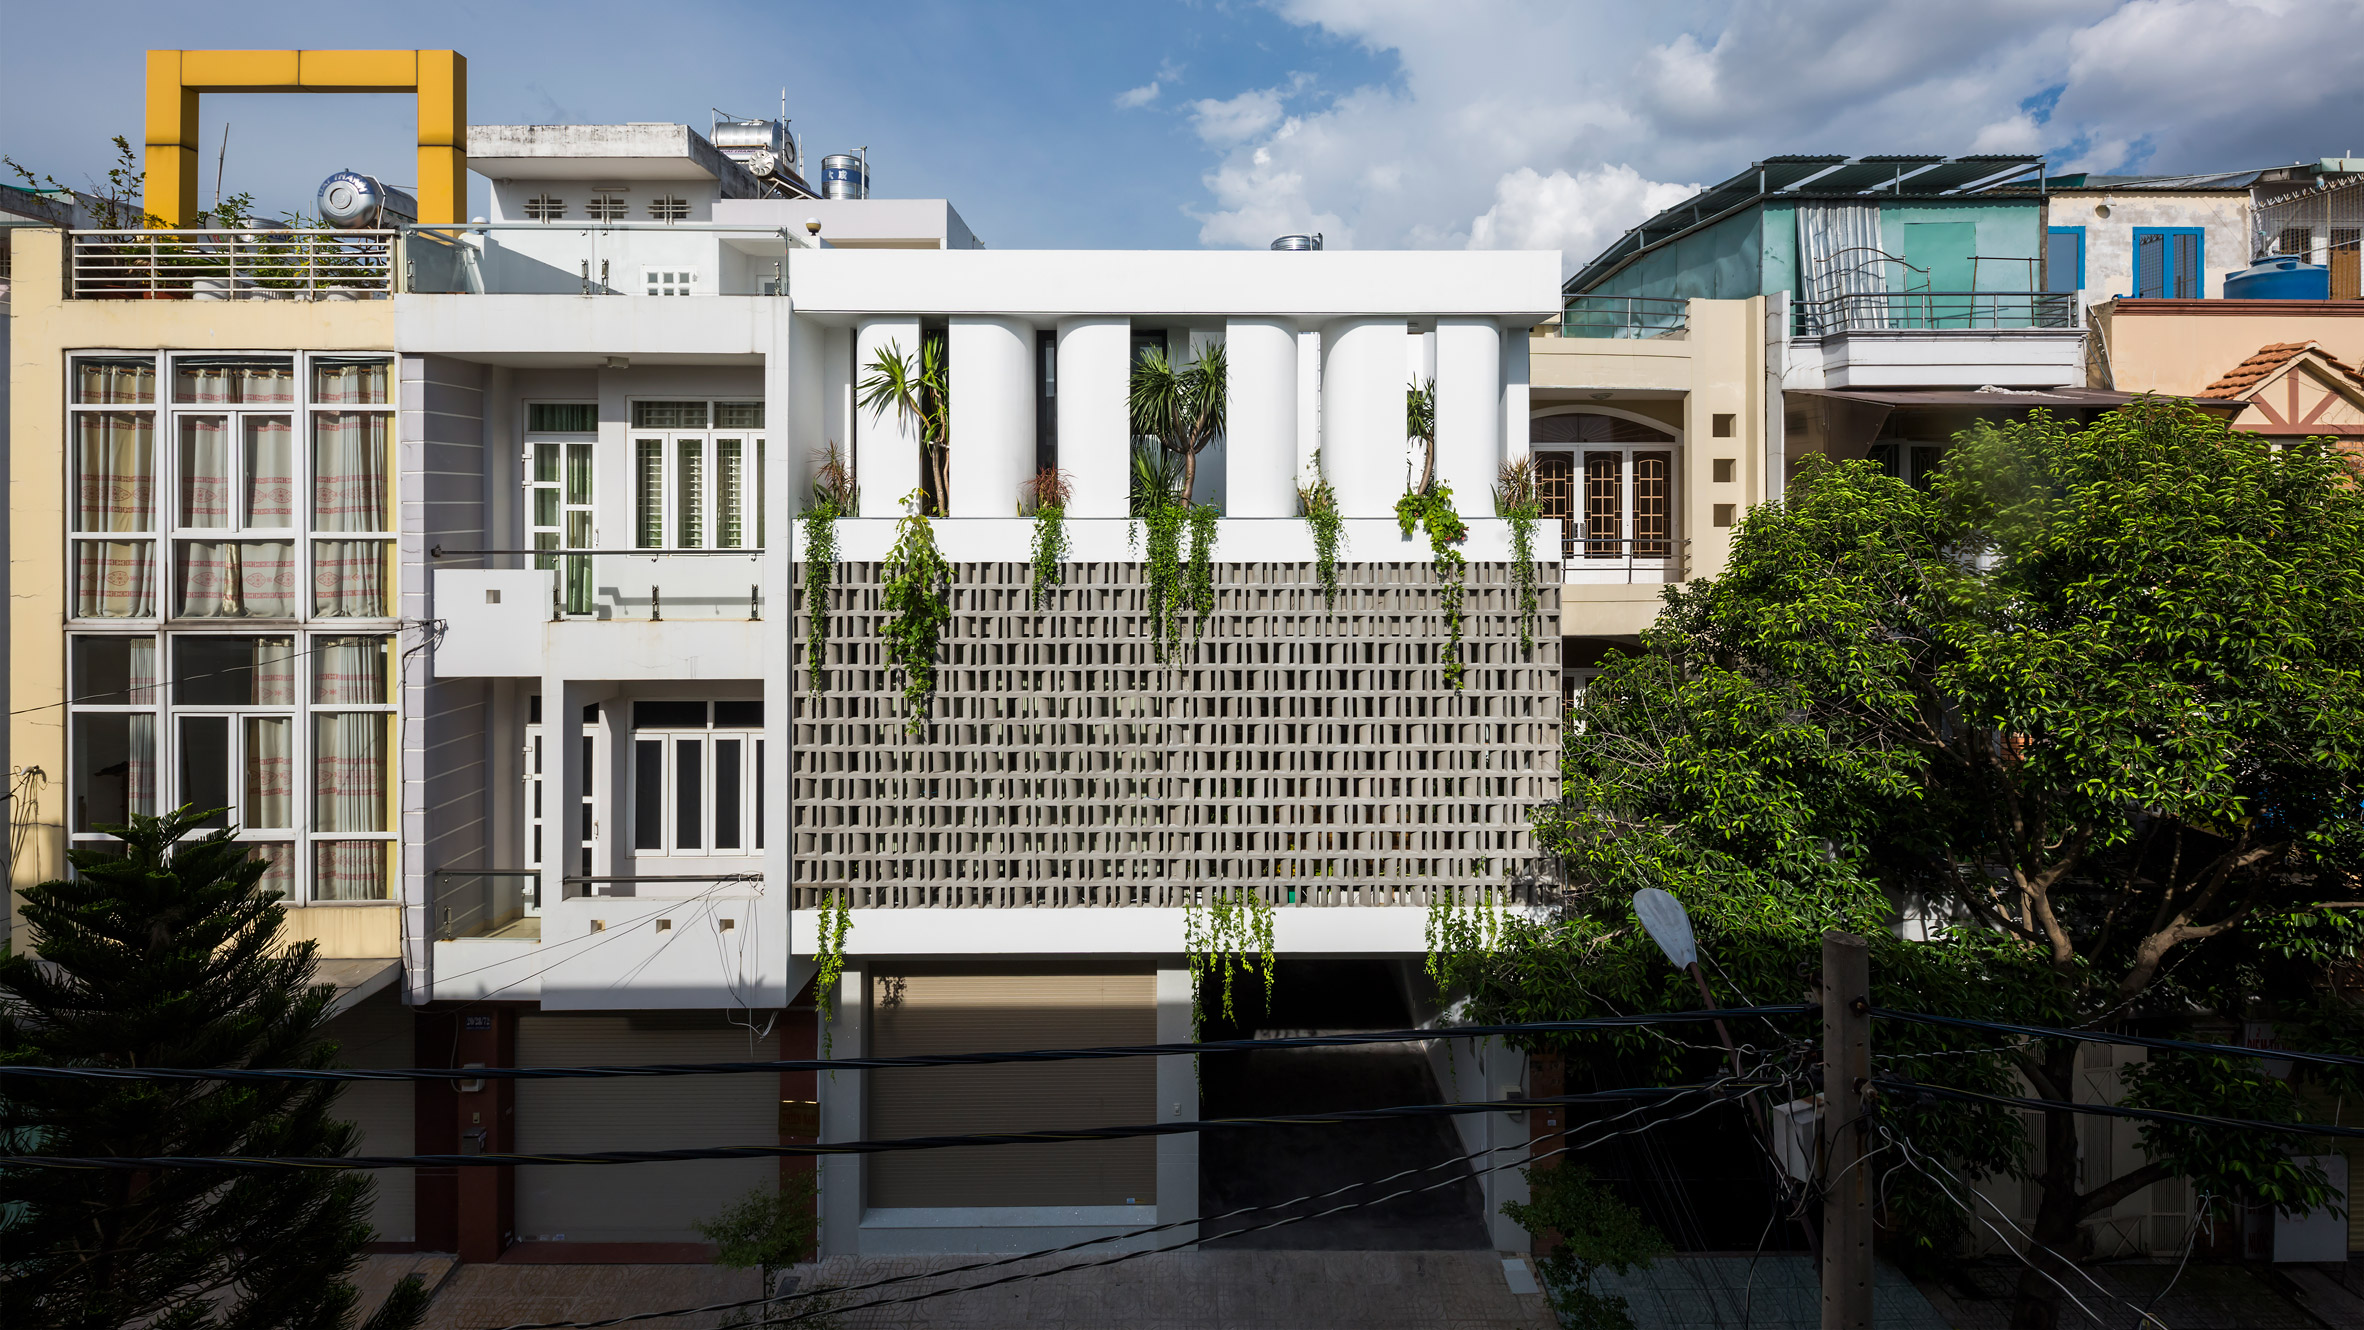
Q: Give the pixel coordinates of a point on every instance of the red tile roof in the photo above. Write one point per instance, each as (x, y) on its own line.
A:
(2242, 379)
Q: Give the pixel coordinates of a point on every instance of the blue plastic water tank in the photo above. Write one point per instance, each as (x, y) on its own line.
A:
(2279, 277)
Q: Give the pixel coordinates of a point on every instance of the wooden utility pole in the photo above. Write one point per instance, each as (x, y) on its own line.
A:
(1846, 1076)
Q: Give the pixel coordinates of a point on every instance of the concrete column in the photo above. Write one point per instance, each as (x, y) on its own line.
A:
(842, 1114)
(837, 391)
(1095, 438)
(1309, 399)
(1363, 414)
(992, 414)
(1177, 1101)
(886, 447)
(1514, 393)
(487, 1197)
(1260, 467)
(565, 779)
(1469, 411)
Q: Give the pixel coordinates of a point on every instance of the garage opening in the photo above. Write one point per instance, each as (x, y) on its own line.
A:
(1260, 1166)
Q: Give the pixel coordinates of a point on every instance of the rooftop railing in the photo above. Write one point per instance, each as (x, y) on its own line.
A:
(230, 265)
(1934, 311)
(1623, 317)
(597, 259)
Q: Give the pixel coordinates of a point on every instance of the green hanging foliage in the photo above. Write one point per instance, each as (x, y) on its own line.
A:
(833, 918)
(1434, 511)
(834, 496)
(1457, 932)
(916, 588)
(1177, 579)
(1047, 495)
(1228, 935)
(1319, 503)
(1515, 498)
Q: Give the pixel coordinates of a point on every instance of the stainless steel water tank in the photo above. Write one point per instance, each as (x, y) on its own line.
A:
(351, 201)
(844, 175)
(1313, 241)
(737, 138)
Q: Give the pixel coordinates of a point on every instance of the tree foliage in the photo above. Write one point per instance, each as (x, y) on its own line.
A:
(2087, 712)
(1591, 1230)
(170, 955)
(1181, 406)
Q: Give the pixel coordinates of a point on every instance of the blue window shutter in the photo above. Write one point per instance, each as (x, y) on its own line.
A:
(2187, 266)
(2150, 265)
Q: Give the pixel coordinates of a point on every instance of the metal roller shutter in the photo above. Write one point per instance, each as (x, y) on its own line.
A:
(639, 1202)
(380, 1033)
(917, 1011)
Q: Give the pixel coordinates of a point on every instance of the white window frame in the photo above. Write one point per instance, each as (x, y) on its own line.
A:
(676, 447)
(300, 836)
(163, 493)
(1622, 564)
(669, 740)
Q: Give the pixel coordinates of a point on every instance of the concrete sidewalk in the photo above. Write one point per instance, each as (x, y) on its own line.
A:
(1204, 1290)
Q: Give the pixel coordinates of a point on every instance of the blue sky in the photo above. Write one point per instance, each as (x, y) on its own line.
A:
(1384, 123)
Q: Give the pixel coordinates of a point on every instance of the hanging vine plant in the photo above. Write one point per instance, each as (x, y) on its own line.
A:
(834, 496)
(1319, 504)
(1229, 935)
(1446, 531)
(1515, 498)
(915, 587)
(1047, 495)
(1179, 410)
(833, 918)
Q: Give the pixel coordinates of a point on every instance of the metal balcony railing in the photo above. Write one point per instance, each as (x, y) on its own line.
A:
(484, 902)
(651, 585)
(1934, 311)
(599, 259)
(230, 265)
(1623, 317)
(661, 887)
(1644, 559)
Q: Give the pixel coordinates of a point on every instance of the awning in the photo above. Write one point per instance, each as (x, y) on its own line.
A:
(356, 980)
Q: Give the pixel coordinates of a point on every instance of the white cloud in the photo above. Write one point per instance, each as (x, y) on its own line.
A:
(1555, 123)
(1137, 97)
(1577, 215)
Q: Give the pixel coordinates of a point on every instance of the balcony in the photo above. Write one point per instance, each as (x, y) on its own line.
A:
(1624, 317)
(592, 259)
(1607, 561)
(230, 265)
(632, 613)
(497, 903)
(1933, 311)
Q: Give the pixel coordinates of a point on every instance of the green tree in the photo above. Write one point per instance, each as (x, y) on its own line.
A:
(2090, 709)
(768, 1230)
(918, 388)
(1420, 423)
(169, 955)
(1181, 406)
(1591, 1230)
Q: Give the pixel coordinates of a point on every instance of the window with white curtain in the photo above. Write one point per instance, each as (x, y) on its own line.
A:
(111, 429)
(285, 737)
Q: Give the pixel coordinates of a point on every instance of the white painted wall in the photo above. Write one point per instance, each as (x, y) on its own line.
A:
(1363, 413)
(1262, 451)
(992, 414)
(1095, 443)
(1469, 411)
(886, 447)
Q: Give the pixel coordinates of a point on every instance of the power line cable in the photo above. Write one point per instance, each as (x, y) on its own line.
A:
(1905, 1089)
(833, 1310)
(873, 1064)
(1126, 1236)
(364, 1162)
(2129, 1040)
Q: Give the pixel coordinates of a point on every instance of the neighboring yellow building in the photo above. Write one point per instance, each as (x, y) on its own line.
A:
(136, 606)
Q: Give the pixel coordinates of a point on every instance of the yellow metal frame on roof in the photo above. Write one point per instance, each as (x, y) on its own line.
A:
(439, 79)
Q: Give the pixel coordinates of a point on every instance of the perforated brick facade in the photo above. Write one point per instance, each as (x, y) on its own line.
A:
(1317, 759)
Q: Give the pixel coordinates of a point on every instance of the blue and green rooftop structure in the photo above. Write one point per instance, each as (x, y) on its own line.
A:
(1927, 236)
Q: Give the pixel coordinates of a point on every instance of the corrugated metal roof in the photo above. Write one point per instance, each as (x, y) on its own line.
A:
(1894, 176)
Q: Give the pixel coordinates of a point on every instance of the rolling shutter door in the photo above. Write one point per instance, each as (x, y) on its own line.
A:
(379, 1033)
(915, 1011)
(639, 1202)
